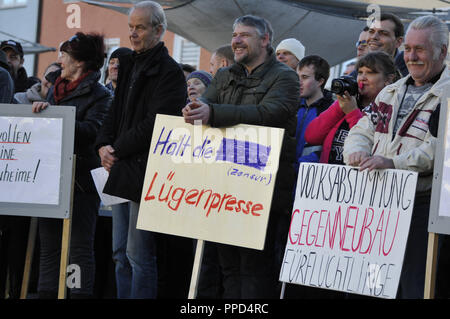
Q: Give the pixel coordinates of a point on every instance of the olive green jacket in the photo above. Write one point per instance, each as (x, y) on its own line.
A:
(269, 96)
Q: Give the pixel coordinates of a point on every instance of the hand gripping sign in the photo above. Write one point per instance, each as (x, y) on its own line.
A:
(208, 183)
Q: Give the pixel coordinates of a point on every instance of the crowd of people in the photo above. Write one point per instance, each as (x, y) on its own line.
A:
(370, 124)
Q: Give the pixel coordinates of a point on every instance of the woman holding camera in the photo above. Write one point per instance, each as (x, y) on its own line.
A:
(375, 71)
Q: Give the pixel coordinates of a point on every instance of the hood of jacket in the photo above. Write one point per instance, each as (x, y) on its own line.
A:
(34, 93)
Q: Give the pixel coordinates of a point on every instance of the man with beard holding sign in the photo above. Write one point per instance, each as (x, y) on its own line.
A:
(256, 90)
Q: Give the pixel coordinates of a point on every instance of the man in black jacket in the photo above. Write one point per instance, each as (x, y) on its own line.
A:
(6, 82)
(149, 82)
(256, 90)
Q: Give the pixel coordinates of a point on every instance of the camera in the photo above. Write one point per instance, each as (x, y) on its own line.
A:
(344, 83)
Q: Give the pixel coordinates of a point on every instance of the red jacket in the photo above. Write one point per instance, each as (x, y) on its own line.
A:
(322, 129)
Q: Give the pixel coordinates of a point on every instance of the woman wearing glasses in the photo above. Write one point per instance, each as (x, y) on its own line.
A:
(81, 59)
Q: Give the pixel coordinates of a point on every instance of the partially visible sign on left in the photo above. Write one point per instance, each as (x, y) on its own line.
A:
(30, 159)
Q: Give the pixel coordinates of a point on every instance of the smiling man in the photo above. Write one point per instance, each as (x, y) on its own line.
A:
(150, 82)
(256, 90)
(399, 136)
(386, 34)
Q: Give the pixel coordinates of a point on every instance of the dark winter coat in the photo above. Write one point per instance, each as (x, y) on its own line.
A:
(92, 101)
(23, 82)
(269, 96)
(159, 86)
(6, 86)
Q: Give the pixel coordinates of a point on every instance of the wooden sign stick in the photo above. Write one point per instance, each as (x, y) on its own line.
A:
(196, 269)
(430, 271)
(65, 242)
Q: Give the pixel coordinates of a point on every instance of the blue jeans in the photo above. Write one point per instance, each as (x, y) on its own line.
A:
(134, 254)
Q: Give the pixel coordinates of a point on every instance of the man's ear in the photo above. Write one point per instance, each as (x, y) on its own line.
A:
(321, 81)
(22, 60)
(398, 42)
(223, 63)
(265, 40)
(444, 52)
(159, 30)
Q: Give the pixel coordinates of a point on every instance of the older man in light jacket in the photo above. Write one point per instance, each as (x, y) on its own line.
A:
(396, 134)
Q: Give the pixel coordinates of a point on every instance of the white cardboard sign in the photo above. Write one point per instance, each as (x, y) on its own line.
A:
(208, 183)
(444, 210)
(30, 159)
(349, 229)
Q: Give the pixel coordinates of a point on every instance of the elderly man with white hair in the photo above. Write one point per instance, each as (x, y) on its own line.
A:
(150, 82)
(397, 134)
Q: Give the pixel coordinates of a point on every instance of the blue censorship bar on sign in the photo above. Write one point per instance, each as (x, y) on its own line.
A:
(243, 153)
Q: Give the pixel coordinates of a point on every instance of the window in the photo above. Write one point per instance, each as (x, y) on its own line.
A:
(185, 51)
(5, 4)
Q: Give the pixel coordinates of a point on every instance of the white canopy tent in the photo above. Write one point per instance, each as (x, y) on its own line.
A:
(328, 28)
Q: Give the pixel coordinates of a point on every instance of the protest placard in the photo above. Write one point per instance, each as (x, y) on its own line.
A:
(439, 217)
(208, 183)
(439, 221)
(37, 165)
(36, 157)
(349, 229)
(30, 159)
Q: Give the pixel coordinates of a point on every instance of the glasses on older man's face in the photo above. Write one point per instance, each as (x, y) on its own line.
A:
(362, 44)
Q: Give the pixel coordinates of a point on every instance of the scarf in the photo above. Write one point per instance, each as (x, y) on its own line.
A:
(63, 87)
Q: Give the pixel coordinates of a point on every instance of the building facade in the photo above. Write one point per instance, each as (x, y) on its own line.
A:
(19, 21)
(62, 19)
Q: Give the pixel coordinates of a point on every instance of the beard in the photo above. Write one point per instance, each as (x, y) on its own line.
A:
(246, 57)
(242, 58)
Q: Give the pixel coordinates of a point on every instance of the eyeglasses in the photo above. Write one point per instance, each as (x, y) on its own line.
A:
(361, 43)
